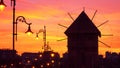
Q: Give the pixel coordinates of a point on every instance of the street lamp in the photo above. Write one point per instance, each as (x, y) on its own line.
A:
(13, 4)
(23, 20)
(2, 5)
(29, 32)
(46, 47)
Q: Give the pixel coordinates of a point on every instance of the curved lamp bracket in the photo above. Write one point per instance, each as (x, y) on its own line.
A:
(22, 19)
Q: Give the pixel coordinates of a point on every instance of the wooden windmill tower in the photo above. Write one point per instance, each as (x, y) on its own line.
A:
(83, 43)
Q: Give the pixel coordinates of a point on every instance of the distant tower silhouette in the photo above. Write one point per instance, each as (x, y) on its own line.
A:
(83, 43)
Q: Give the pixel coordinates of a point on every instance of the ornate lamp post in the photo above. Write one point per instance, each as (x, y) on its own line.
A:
(18, 19)
(44, 37)
(46, 46)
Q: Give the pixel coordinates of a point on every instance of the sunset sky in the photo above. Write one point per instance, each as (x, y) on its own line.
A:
(53, 12)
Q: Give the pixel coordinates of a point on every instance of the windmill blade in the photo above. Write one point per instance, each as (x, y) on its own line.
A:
(62, 39)
(71, 16)
(62, 25)
(102, 23)
(94, 15)
(107, 34)
(104, 44)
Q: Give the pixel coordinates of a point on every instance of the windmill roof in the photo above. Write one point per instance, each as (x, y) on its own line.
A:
(82, 25)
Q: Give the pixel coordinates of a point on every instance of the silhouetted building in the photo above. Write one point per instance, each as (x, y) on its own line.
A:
(82, 43)
(46, 59)
(51, 59)
(9, 59)
(64, 61)
(31, 59)
(112, 60)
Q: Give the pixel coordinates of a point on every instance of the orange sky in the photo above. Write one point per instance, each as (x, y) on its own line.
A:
(54, 12)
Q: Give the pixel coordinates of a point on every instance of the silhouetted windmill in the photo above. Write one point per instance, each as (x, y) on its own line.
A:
(82, 42)
(97, 26)
(82, 36)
